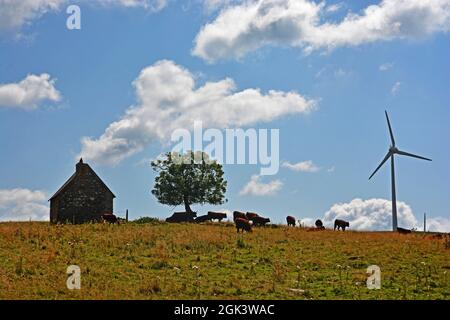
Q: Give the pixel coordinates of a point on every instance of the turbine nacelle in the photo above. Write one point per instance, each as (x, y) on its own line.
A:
(393, 149)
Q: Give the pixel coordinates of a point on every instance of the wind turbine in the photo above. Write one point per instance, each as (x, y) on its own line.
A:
(392, 151)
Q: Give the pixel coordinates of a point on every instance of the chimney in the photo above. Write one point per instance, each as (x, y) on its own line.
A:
(79, 166)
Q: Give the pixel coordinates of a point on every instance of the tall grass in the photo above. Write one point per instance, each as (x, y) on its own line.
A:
(192, 261)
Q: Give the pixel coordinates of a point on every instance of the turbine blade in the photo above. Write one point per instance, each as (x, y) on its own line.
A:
(390, 129)
(389, 154)
(403, 153)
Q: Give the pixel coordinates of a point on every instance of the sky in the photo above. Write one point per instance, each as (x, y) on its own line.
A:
(323, 73)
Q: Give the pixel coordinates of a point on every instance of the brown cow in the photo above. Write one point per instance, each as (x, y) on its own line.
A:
(217, 215)
(111, 218)
(403, 231)
(182, 217)
(290, 221)
(260, 221)
(238, 214)
(251, 215)
(341, 224)
(243, 224)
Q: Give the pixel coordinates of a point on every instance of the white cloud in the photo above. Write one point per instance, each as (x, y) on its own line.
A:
(327, 72)
(152, 5)
(304, 166)
(29, 93)
(256, 188)
(386, 66)
(169, 99)
(307, 222)
(248, 26)
(438, 224)
(331, 169)
(16, 13)
(22, 205)
(213, 5)
(396, 88)
(334, 7)
(372, 214)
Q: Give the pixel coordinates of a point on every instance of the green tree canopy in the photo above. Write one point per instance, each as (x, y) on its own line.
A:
(188, 179)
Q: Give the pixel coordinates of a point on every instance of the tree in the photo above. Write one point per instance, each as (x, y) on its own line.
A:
(188, 179)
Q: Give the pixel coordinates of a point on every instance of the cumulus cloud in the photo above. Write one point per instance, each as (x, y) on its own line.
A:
(248, 26)
(29, 93)
(304, 166)
(22, 205)
(168, 99)
(438, 224)
(307, 222)
(257, 188)
(372, 214)
(16, 13)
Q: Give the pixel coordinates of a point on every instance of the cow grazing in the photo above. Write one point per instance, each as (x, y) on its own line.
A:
(182, 217)
(290, 221)
(251, 215)
(217, 215)
(260, 221)
(203, 218)
(110, 218)
(243, 224)
(238, 214)
(319, 224)
(341, 224)
(403, 231)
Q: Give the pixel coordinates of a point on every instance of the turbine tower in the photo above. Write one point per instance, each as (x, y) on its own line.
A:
(392, 151)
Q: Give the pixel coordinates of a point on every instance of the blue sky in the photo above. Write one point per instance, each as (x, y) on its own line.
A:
(345, 136)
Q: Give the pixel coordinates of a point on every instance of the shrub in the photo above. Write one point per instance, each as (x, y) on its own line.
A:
(143, 220)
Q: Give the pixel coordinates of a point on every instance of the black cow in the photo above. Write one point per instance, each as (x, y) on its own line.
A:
(182, 217)
(341, 224)
(260, 221)
(319, 224)
(217, 215)
(403, 231)
(290, 221)
(203, 218)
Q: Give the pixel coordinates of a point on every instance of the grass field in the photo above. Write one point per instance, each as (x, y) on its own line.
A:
(190, 261)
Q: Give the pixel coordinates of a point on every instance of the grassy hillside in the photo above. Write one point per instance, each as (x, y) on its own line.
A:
(189, 261)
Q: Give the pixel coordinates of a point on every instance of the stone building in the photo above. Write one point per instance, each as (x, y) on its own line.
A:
(83, 198)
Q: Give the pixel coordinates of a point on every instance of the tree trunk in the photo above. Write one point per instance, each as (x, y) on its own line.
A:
(187, 207)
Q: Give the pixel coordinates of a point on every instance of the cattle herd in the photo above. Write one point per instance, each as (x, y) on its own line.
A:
(245, 221)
